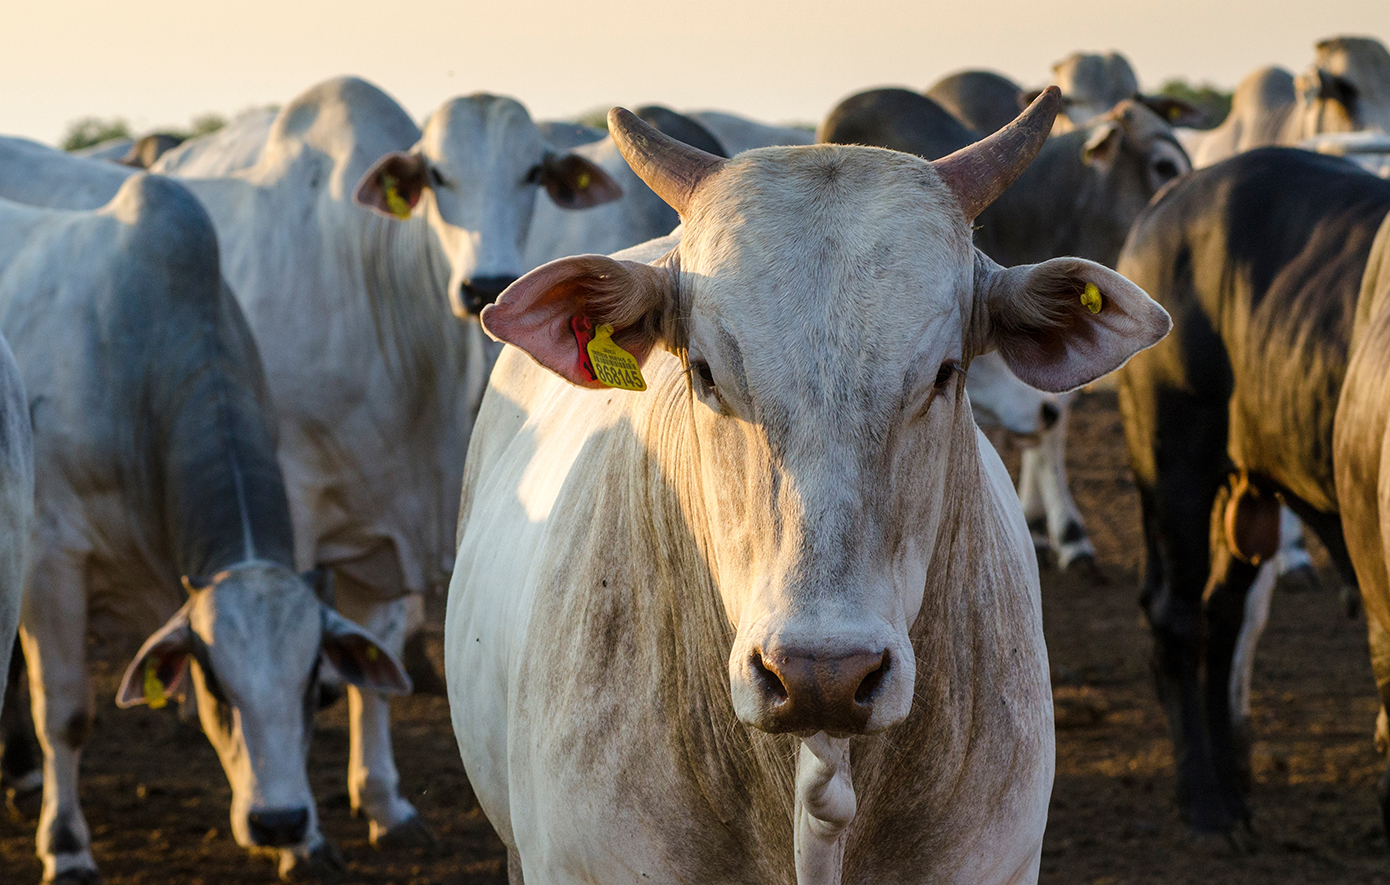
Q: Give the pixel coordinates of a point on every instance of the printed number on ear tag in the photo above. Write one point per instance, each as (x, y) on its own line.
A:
(394, 201)
(1091, 298)
(154, 689)
(613, 365)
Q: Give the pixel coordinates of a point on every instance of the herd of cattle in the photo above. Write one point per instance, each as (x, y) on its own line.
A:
(239, 388)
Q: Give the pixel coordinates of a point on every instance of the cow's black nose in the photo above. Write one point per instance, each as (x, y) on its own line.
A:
(1049, 415)
(278, 827)
(479, 292)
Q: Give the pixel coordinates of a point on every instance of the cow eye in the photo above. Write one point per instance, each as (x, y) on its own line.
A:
(702, 371)
(436, 178)
(1166, 169)
(534, 175)
(946, 372)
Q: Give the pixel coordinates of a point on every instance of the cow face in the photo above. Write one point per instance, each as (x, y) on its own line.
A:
(251, 643)
(824, 301)
(475, 171)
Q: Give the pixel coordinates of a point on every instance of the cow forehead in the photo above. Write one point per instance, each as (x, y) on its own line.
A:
(825, 249)
(257, 615)
(478, 131)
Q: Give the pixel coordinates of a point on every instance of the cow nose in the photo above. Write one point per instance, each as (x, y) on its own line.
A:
(278, 827)
(479, 292)
(1049, 415)
(816, 692)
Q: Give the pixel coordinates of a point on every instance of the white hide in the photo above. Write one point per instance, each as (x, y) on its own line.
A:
(16, 502)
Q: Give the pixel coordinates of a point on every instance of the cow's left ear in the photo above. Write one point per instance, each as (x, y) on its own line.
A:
(576, 183)
(1068, 321)
(359, 658)
(160, 668)
(1103, 144)
(394, 184)
(1174, 110)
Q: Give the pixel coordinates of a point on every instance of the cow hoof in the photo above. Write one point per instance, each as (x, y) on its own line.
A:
(324, 862)
(412, 832)
(1085, 566)
(1303, 579)
(78, 876)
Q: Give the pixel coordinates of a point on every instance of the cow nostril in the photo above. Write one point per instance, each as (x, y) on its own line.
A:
(278, 827)
(864, 694)
(767, 680)
(1049, 414)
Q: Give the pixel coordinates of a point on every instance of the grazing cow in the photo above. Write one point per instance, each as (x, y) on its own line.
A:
(795, 527)
(375, 384)
(637, 216)
(1259, 259)
(737, 134)
(983, 100)
(16, 503)
(1346, 89)
(1360, 432)
(1078, 198)
(159, 500)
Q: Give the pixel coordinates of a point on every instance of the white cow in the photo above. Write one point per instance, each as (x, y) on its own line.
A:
(795, 527)
(16, 502)
(375, 384)
(738, 134)
(161, 508)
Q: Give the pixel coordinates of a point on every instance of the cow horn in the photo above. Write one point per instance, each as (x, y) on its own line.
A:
(671, 168)
(978, 174)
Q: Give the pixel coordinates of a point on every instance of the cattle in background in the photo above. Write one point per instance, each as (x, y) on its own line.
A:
(346, 241)
(1369, 150)
(796, 527)
(982, 100)
(160, 506)
(1346, 89)
(637, 216)
(737, 134)
(16, 504)
(234, 147)
(1359, 449)
(1259, 259)
(1079, 197)
(138, 153)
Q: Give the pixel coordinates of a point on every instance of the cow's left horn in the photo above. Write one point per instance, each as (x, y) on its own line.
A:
(978, 174)
(671, 168)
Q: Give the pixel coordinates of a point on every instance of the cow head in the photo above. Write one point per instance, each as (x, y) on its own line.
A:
(1346, 89)
(999, 399)
(474, 176)
(825, 301)
(250, 643)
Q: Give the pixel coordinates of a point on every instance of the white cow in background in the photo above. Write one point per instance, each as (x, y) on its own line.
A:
(737, 134)
(375, 383)
(796, 527)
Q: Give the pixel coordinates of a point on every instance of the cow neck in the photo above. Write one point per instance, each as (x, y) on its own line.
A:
(223, 493)
(405, 280)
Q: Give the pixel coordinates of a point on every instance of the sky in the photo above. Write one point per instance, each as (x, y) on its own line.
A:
(161, 64)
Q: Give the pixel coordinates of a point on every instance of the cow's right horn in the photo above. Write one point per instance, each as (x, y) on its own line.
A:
(671, 168)
(978, 174)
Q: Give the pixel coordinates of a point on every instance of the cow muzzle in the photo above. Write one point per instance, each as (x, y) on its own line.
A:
(803, 693)
(479, 292)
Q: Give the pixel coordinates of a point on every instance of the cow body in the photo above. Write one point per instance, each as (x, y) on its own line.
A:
(983, 100)
(16, 504)
(160, 506)
(1259, 259)
(737, 134)
(1079, 197)
(642, 575)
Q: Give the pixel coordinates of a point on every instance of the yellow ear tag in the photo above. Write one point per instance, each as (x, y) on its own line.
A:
(1091, 298)
(582, 182)
(372, 653)
(154, 689)
(613, 365)
(394, 201)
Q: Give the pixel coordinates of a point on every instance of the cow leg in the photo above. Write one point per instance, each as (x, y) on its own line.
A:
(1046, 497)
(53, 632)
(1293, 564)
(514, 868)
(373, 781)
(21, 763)
(1380, 666)
(1256, 617)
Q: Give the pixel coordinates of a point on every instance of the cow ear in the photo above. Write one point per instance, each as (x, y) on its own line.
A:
(576, 183)
(536, 313)
(1103, 145)
(394, 184)
(1334, 88)
(160, 668)
(1068, 321)
(359, 658)
(1174, 110)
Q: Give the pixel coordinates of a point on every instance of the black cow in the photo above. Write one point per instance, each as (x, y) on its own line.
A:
(1259, 260)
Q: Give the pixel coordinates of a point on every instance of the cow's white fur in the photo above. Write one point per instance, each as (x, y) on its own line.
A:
(620, 553)
(16, 502)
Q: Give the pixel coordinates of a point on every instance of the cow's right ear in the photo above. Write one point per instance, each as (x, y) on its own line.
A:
(394, 184)
(536, 312)
(160, 668)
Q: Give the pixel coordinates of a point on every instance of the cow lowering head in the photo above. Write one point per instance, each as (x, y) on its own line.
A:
(250, 643)
(480, 160)
(826, 302)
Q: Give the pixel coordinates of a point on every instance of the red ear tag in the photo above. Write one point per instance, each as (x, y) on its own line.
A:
(584, 333)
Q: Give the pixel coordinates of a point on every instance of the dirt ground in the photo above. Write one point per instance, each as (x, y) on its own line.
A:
(157, 800)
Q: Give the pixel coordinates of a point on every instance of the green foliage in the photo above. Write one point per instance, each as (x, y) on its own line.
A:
(594, 119)
(205, 124)
(93, 130)
(1212, 102)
